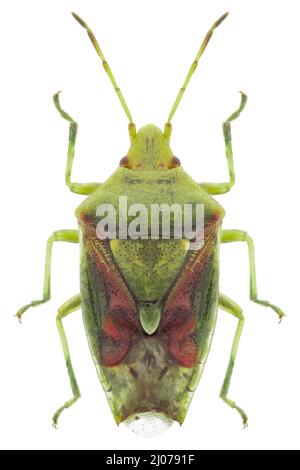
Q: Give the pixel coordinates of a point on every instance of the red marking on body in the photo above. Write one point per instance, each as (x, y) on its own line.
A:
(113, 352)
(179, 319)
(185, 352)
(110, 329)
(181, 345)
(121, 328)
(120, 321)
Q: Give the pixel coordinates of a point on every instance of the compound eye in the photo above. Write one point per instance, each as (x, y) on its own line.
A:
(175, 162)
(124, 162)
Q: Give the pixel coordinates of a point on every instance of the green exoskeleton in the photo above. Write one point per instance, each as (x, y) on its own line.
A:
(149, 303)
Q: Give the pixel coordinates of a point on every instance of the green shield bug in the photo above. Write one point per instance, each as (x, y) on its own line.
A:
(149, 272)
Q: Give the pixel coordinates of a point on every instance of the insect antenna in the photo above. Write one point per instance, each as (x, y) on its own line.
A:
(168, 126)
(107, 69)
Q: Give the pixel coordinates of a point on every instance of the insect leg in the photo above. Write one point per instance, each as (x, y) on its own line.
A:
(58, 236)
(78, 188)
(229, 236)
(68, 307)
(231, 307)
(221, 188)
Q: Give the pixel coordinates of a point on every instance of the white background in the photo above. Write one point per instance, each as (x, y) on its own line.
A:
(150, 45)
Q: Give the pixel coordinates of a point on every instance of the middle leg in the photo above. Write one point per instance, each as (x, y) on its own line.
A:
(229, 236)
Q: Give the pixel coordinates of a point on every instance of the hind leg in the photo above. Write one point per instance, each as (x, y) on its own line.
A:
(231, 307)
(68, 307)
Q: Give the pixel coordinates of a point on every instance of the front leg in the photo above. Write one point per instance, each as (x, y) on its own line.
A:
(221, 188)
(70, 236)
(78, 188)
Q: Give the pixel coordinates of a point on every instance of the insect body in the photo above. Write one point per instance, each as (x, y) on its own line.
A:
(149, 302)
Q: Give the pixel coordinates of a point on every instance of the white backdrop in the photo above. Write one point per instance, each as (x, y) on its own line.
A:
(150, 46)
